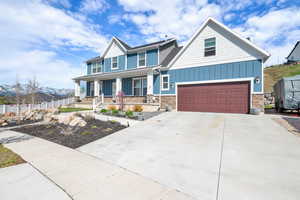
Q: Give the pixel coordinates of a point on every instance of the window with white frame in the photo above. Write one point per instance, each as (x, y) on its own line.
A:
(94, 67)
(142, 59)
(210, 47)
(165, 82)
(139, 86)
(114, 64)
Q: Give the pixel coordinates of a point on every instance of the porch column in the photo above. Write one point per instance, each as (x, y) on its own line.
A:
(118, 85)
(150, 83)
(77, 89)
(96, 88)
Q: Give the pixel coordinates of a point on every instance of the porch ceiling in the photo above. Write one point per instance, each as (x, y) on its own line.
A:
(113, 75)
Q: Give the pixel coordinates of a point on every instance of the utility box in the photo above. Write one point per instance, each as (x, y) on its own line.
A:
(287, 94)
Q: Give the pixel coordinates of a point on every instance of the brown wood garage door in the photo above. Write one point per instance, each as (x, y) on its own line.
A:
(233, 97)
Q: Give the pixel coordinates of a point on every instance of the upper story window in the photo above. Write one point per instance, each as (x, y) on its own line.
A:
(142, 59)
(210, 47)
(96, 67)
(114, 63)
(165, 82)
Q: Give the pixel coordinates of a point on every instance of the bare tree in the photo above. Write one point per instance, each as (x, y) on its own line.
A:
(32, 88)
(18, 99)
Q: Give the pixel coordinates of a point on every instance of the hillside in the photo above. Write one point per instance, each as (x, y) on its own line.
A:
(276, 72)
(8, 95)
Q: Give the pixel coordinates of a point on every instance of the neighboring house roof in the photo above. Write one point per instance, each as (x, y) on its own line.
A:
(293, 49)
(265, 54)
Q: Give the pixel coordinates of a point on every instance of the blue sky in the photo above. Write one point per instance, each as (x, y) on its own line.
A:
(51, 39)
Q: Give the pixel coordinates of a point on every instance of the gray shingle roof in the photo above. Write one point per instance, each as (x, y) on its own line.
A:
(170, 56)
(141, 48)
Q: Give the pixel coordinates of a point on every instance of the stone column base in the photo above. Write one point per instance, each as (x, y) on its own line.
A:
(77, 99)
(168, 102)
(258, 102)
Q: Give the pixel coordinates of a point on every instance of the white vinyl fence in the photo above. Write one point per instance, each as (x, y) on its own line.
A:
(41, 106)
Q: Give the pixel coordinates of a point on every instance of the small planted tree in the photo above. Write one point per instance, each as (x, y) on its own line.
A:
(18, 99)
(120, 100)
(32, 88)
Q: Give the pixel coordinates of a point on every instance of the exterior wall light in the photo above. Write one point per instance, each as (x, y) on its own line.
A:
(257, 80)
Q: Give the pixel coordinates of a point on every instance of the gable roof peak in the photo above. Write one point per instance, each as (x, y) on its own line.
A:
(265, 54)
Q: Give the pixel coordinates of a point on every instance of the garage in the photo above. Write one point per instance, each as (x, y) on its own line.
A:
(229, 97)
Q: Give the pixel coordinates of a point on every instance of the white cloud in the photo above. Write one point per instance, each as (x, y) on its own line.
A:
(115, 19)
(64, 3)
(178, 18)
(44, 65)
(26, 27)
(93, 6)
(276, 31)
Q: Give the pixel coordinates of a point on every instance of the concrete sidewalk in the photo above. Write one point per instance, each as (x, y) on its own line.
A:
(86, 177)
(24, 182)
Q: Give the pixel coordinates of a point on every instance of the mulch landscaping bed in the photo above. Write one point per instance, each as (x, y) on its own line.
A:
(72, 137)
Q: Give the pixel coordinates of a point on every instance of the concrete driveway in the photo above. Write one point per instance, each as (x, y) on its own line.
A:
(209, 156)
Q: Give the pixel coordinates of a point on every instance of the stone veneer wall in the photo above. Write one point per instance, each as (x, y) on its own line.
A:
(168, 100)
(128, 99)
(258, 101)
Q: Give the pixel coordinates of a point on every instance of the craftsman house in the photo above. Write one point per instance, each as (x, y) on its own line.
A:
(216, 71)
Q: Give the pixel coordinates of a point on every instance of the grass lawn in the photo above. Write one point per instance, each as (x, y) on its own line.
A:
(73, 109)
(9, 158)
(269, 106)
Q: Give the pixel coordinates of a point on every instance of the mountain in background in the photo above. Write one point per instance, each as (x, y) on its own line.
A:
(8, 93)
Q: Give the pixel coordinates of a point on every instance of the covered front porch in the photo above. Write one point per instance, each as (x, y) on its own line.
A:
(135, 87)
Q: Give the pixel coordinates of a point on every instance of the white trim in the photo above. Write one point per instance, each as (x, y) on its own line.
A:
(109, 45)
(162, 83)
(125, 61)
(262, 77)
(211, 63)
(218, 81)
(138, 59)
(111, 63)
(210, 19)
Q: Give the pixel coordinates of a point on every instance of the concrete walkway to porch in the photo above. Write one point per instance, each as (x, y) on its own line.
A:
(85, 177)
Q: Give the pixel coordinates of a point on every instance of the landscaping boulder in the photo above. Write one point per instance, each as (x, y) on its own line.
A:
(3, 122)
(77, 121)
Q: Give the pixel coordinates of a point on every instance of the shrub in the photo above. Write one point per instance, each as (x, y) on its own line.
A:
(137, 108)
(103, 111)
(112, 107)
(115, 112)
(129, 113)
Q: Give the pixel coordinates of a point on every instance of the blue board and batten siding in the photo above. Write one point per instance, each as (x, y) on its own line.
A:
(243, 69)
(152, 58)
(132, 62)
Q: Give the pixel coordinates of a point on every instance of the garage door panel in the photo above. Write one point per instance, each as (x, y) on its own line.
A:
(217, 97)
